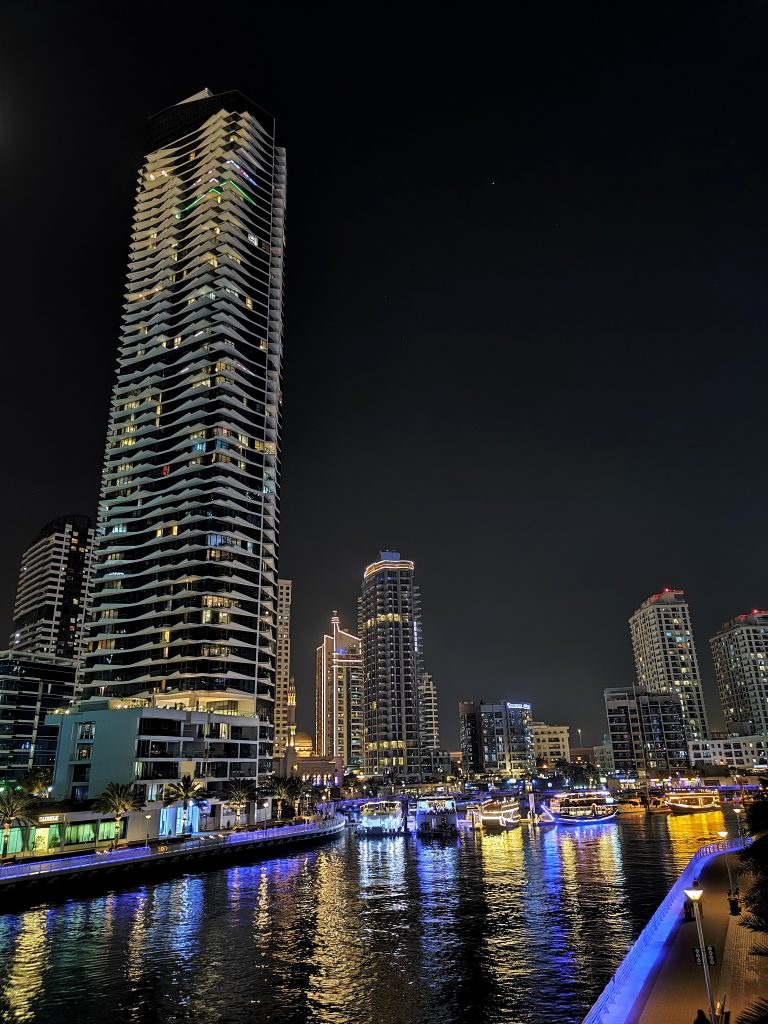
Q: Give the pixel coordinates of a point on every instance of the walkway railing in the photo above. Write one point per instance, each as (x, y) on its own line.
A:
(617, 998)
(163, 850)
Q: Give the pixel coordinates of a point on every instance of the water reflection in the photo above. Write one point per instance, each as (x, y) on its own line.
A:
(525, 926)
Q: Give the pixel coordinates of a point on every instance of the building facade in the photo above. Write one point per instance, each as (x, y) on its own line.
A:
(647, 730)
(551, 742)
(31, 685)
(185, 575)
(602, 755)
(49, 614)
(429, 713)
(339, 697)
(747, 752)
(104, 740)
(389, 620)
(285, 712)
(496, 738)
(740, 654)
(665, 655)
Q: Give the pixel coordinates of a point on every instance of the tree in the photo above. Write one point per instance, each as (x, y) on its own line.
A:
(755, 859)
(755, 1013)
(188, 791)
(36, 781)
(15, 806)
(287, 791)
(119, 798)
(241, 792)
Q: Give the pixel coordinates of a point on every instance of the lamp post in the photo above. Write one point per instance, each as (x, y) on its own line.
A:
(694, 895)
(738, 811)
(146, 844)
(724, 836)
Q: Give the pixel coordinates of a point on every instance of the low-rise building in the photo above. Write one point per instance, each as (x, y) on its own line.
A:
(551, 742)
(736, 751)
(103, 740)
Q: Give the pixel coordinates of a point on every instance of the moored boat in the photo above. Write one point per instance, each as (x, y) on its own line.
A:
(381, 818)
(436, 816)
(500, 815)
(631, 806)
(658, 805)
(587, 807)
(694, 802)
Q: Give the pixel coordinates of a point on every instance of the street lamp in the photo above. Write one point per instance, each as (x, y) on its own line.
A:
(146, 844)
(694, 895)
(738, 811)
(724, 835)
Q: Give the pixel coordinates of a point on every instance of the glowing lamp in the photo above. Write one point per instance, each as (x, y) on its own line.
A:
(694, 894)
(723, 834)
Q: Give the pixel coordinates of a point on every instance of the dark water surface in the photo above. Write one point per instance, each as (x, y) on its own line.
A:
(517, 927)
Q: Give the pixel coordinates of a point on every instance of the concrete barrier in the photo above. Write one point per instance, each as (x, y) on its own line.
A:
(615, 1002)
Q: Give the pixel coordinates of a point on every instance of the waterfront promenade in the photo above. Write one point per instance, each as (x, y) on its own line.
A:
(21, 879)
(659, 981)
(675, 990)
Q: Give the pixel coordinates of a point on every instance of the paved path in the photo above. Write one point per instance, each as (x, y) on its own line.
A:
(675, 989)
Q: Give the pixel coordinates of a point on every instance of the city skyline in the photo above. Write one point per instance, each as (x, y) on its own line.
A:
(610, 255)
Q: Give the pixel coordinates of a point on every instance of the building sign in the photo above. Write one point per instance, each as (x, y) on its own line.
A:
(47, 819)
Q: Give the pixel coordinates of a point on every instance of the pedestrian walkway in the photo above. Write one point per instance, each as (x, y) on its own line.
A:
(675, 990)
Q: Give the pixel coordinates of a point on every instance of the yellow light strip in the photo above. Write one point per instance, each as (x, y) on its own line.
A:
(378, 566)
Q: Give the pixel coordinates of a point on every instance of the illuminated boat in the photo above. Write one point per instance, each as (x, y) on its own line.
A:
(436, 816)
(500, 815)
(381, 818)
(697, 802)
(586, 807)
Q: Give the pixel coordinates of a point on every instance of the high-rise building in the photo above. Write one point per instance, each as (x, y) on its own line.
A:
(389, 618)
(602, 755)
(31, 686)
(283, 668)
(54, 588)
(665, 655)
(496, 738)
(339, 697)
(185, 579)
(429, 715)
(740, 654)
(551, 742)
(647, 730)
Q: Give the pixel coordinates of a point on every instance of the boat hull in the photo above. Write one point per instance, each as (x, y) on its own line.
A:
(682, 809)
(598, 819)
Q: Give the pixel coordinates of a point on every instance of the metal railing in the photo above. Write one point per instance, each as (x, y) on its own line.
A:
(163, 850)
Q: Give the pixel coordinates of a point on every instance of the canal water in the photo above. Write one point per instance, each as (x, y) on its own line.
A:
(519, 927)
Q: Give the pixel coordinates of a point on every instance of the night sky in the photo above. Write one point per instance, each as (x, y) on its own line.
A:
(525, 308)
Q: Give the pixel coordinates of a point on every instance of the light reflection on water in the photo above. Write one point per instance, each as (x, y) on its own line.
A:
(518, 927)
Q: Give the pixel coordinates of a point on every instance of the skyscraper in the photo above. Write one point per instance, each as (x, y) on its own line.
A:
(647, 730)
(185, 581)
(339, 697)
(389, 617)
(53, 589)
(740, 654)
(665, 655)
(283, 667)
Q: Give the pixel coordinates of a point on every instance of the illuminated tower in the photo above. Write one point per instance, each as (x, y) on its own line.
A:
(283, 667)
(339, 697)
(665, 655)
(185, 587)
(53, 590)
(389, 614)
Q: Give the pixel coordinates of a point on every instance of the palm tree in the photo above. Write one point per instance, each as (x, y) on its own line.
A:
(241, 792)
(188, 791)
(287, 791)
(36, 781)
(14, 806)
(118, 798)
